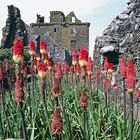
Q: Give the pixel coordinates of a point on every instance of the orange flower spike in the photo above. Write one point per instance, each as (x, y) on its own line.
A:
(56, 124)
(78, 69)
(7, 65)
(89, 67)
(66, 67)
(131, 76)
(74, 57)
(55, 88)
(32, 48)
(1, 71)
(83, 99)
(25, 72)
(105, 64)
(46, 57)
(18, 51)
(19, 91)
(58, 71)
(138, 92)
(50, 63)
(38, 57)
(110, 68)
(43, 46)
(42, 69)
(71, 69)
(83, 57)
(122, 68)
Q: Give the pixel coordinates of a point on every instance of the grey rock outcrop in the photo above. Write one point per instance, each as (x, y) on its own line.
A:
(15, 27)
(123, 34)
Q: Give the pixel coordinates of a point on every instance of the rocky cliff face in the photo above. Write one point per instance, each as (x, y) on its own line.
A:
(15, 27)
(122, 37)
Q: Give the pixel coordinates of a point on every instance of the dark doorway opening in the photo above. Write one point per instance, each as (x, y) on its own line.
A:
(113, 57)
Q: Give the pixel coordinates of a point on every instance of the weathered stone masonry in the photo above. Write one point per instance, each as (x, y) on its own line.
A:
(69, 30)
(62, 33)
(121, 38)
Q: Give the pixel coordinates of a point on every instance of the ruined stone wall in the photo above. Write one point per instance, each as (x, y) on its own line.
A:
(122, 36)
(69, 30)
(15, 27)
(62, 33)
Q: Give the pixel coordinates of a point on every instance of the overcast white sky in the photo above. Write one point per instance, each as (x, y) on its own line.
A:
(98, 12)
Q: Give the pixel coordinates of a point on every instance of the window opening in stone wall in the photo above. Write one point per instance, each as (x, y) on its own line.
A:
(54, 29)
(62, 19)
(73, 19)
(113, 57)
(73, 31)
(72, 44)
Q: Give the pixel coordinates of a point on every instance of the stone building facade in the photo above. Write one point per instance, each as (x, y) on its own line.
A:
(67, 30)
(62, 33)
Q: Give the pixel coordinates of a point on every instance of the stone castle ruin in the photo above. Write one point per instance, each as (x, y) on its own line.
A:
(15, 27)
(62, 33)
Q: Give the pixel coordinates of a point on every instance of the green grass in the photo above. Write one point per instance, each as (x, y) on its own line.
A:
(102, 125)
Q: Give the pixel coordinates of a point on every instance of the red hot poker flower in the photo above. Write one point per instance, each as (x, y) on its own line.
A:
(52, 72)
(46, 57)
(43, 46)
(32, 48)
(42, 70)
(74, 57)
(106, 64)
(18, 51)
(58, 71)
(25, 72)
(83, 98)
(110, 68)
(55, 88)
(131, 68)
(122, 68)
(71, 69)
(7, 65)
(1, 71)
(138, 92)
(83, 57)
(38, 57)
(56, 124)
(131, 76)
(89, 67)
(19, 91)
(50, 63)
(78, 69)
(66, 67)
(63, 67)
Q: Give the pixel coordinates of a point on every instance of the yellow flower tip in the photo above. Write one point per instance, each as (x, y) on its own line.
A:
(74, 63)
(38, 59)
(83, 63)
(18, 59)
(130, 90)
(43, 52)
(89, 72)
(32, 53)
(45, 61)
(110, 70)
(42, 74)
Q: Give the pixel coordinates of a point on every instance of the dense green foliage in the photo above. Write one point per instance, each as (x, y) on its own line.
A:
(103, 123)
